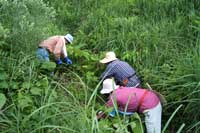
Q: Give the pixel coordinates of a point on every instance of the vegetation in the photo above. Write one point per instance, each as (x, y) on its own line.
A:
(159, 38)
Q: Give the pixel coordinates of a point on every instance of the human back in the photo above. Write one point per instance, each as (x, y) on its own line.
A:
(51, 42)
(121, 71)
(130, 97)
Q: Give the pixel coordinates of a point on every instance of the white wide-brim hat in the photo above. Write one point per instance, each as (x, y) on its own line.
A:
(108, 86)
(110, 56)
(69, 38)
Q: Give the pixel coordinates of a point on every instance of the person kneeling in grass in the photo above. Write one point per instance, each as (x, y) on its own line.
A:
(134, 100)
(123, 73)
(55, 45)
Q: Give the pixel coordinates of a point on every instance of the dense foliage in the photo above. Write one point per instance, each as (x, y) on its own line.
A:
(159, 38)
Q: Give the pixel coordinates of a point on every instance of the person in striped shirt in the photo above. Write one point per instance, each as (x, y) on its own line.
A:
(122, 72)
(57, 46)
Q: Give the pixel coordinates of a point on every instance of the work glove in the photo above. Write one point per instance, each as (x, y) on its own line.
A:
(125, 113)
(113, 113)
(59, 61)
(68, 61)
(101, 115)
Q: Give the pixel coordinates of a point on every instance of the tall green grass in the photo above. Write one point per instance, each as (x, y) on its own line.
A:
(159, 38)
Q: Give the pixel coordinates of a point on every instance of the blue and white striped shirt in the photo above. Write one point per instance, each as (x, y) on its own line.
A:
(121, 70)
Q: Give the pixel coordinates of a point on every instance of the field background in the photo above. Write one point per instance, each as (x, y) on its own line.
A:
(159, 38)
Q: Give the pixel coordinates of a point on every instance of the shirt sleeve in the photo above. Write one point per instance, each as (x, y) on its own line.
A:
(110, 103)
(112, 100)
(109, 72)
(64, 51)
(58, 48)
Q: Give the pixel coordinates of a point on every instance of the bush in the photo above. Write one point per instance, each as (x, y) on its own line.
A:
(28, 21)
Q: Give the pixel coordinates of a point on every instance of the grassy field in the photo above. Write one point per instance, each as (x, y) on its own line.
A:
(159, 38)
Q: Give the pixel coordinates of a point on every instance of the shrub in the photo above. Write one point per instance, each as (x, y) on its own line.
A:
(28, 21)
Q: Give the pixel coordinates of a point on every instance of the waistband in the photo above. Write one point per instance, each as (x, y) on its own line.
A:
(126, 80)
(40, 47)
(147, 110)
(131, 76)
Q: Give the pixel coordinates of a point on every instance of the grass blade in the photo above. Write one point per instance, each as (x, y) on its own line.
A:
(171, 117)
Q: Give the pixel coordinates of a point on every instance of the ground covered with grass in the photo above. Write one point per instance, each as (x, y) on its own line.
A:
(159, 38)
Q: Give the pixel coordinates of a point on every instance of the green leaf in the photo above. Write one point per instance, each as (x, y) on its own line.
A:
(116, 125)
(50, 66)
(14, 85)
(43, 83)
(3, 76)
(137, 126)
(3, 85)
(24, 101)
(133, 125)
(26, 85)
(1, 69)
(104, 124)
(2, 100)
(36, 91)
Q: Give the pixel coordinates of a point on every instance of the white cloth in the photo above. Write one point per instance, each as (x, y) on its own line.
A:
(64, 50)
(153, 119)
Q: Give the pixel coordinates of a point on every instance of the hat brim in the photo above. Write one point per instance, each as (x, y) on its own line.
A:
(103, 91)
(106, 60)
(106, 91)
(68, 40)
